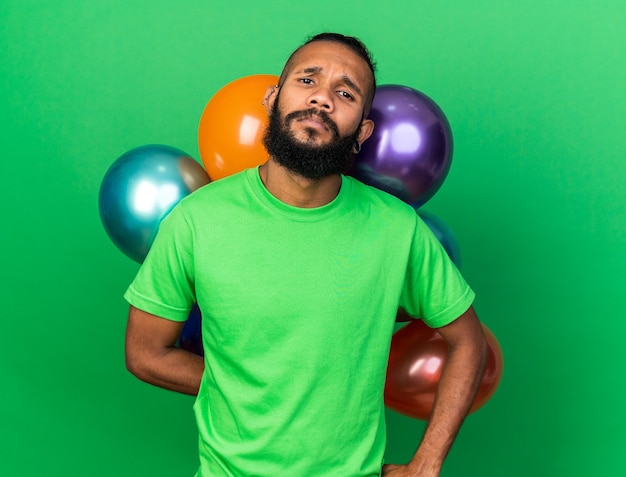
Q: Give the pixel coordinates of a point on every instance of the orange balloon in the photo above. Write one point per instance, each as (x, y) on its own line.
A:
(416, 360)
(232, 125)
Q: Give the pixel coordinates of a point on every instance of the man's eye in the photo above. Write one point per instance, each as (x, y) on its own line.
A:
(306, 80)
(346, 95)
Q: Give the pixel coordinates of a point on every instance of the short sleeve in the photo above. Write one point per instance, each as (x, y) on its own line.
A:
(164, 285)
(434, 289)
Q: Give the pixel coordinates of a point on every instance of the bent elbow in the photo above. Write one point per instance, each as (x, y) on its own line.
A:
(137, 366)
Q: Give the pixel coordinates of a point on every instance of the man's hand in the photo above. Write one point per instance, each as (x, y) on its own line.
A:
(391, 470)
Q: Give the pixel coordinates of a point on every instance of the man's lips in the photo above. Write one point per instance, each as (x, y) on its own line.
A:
(315, 122)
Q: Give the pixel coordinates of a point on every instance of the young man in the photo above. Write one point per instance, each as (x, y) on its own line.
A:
(299, 272)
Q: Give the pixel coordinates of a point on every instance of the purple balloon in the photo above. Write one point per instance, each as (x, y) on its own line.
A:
(410, 152)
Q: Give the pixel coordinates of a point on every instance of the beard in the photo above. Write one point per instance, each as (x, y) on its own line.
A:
(307, 159)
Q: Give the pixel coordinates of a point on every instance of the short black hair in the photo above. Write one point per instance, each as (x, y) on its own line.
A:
(356, 45)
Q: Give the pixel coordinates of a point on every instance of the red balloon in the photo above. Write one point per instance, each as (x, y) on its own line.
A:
(416, 360)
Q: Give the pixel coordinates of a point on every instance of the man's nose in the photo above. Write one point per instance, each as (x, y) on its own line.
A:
(322, 99)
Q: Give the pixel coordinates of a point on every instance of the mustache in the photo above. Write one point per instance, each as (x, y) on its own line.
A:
(313, 112)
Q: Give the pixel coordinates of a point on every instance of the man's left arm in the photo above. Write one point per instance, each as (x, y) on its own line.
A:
(460, 379)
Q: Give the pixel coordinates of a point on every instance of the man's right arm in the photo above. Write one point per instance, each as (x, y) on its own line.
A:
(152, 355)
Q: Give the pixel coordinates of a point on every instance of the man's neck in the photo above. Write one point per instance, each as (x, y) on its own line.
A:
(296, 190)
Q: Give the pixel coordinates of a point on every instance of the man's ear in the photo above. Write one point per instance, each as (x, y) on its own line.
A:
(269, 98)
(367, 128)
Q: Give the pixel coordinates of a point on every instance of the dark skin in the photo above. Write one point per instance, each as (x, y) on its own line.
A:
(331, 77)
(152, 356)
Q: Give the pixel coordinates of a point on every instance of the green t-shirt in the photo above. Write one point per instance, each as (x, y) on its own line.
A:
(298, 308)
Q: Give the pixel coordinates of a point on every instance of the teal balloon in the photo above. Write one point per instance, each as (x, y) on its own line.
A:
(444, 234)
(139, 189)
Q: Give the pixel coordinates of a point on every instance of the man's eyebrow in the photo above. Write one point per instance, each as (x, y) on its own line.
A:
(352, 85)
(312, 70)
(346, 79)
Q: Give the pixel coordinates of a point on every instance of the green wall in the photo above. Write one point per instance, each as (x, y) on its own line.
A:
(534, 92)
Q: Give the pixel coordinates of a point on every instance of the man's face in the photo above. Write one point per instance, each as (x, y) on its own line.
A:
(317, 118)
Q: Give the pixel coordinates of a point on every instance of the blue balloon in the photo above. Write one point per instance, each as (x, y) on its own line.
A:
(191, 336)
(410, 151)
(444, 234)
(140, 188)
